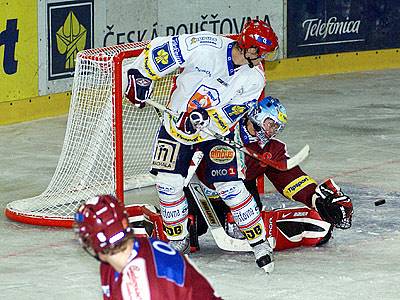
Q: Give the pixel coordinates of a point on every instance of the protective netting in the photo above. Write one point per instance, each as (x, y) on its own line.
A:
(87, 162)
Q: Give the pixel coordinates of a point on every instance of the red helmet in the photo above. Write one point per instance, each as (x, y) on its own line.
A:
(258, 34)
(102, 223)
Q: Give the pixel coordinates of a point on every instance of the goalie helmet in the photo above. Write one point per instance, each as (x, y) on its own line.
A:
(101, 224)
(260, 35)
(268, 118)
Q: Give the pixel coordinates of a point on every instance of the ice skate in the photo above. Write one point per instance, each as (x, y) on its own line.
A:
(183, 246)
(264, 258)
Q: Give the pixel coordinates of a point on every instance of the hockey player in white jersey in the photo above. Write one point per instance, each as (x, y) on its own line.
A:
(220, 81)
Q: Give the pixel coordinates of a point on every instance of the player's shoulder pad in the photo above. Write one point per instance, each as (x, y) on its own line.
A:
(203, 40)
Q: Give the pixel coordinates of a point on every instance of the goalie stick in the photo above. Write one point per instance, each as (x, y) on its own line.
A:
(221, 238)
(281, 165)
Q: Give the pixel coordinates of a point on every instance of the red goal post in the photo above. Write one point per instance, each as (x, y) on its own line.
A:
(108, 142)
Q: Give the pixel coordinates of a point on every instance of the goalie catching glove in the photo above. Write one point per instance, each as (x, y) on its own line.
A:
(332, 205)
(139, 88)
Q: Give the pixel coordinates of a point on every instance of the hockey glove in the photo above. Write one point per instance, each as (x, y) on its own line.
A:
(139, 88)
(332, 205)
(196, 120)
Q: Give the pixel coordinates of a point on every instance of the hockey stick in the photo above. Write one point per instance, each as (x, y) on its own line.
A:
(221, 238)
(223, 241)
(282, 165)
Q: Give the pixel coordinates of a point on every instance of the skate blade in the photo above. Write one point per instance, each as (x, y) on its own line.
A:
(269, 268)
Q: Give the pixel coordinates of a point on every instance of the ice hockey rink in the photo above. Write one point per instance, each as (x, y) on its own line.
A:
(352, 124)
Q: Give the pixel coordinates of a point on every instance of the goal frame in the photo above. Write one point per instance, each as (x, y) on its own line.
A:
(117, 98)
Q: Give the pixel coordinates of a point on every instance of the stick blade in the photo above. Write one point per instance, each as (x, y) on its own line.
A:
(227, 243)
(298, 158)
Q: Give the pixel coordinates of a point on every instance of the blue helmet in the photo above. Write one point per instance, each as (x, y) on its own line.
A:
(268, 118)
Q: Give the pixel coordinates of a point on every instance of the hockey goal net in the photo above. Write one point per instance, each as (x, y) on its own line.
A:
(108, 142)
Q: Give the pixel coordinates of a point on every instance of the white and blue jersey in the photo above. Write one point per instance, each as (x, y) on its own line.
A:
(209, 80)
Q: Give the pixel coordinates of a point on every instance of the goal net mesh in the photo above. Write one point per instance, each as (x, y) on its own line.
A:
(87, 162)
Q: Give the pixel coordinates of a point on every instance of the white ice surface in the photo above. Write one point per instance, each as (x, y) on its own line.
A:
(351, 122)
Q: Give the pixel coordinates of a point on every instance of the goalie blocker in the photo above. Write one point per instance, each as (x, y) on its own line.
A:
(288, 228)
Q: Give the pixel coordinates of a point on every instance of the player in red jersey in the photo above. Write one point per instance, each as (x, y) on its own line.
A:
(325, 207)
(257, 131)
(135, 267)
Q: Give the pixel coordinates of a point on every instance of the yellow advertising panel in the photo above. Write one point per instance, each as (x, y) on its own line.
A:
(18, 49)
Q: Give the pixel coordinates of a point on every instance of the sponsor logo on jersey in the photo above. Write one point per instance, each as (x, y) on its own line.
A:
(218, 120)
(222, 82)
(203, 97)
(207, 72)
(229, 60)
(177, 50)
(181, 136)
(222, 154)
(196, 138)
(223, 172)
(219, 172)
(149, 70)
(162, 57)
(193, 41)
(234, 112)
(297, 185)
(165, 155)
(135, 281)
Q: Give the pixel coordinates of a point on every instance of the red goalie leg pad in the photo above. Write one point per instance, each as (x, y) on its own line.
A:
(140, 216)
(295, 227)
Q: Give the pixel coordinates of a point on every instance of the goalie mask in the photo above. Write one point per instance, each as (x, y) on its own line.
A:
(102, 224)
(268, 118)
(260, 35)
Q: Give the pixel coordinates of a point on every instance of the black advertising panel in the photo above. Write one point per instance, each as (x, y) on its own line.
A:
(329, 26)
(70, 30)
